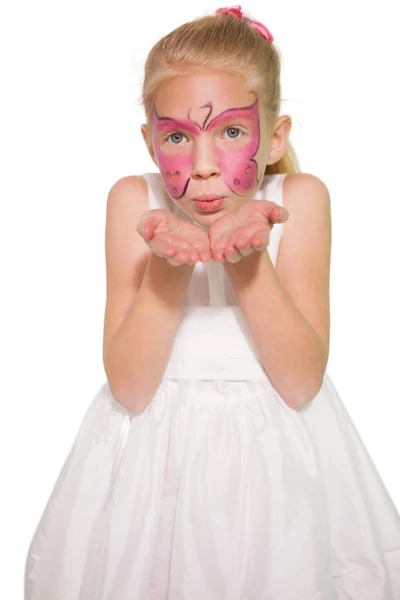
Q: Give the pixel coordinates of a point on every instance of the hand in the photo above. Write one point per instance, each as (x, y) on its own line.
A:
(180, 242)
(244, 230)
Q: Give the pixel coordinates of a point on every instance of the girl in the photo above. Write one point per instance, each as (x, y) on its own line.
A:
(217, 461)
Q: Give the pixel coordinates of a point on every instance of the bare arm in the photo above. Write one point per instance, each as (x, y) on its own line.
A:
(287, 309)
(289, 348)
(138, 353)
(145, 293)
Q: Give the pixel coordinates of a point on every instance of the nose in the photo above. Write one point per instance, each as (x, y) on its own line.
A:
(205, 163)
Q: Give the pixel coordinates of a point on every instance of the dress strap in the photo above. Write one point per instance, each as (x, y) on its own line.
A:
(158, 197)
(150, 182)
(274, 192)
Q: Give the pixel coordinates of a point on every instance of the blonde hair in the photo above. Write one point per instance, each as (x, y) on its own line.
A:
(220, 43)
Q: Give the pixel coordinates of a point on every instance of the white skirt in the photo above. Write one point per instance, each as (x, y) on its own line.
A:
(217, 491)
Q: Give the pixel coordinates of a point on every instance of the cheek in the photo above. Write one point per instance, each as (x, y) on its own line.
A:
(175, 170)
(239, 169)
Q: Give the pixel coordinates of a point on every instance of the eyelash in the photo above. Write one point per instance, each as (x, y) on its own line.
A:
(166, 139)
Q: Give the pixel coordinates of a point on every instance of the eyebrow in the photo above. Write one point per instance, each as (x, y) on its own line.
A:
(243, 112)
(169, 123)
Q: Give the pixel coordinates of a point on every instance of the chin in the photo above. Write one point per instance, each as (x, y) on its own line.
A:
(207, 220)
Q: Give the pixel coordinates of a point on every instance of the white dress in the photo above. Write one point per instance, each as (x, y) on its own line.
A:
(218, 490)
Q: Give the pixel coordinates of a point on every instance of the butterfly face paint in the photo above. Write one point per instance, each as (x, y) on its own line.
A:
(238, 166)
(235, 156)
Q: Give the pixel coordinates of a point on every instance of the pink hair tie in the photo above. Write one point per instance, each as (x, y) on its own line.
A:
(236, 11)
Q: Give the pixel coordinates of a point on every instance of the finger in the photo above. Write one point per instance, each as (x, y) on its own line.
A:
(218, 255)
(281, 214)
(246, 251)
(232, 255)
(147, 224)
(201, 252)
(186, 257)
(242, 246)
(163, 248)
(144, 229)
(259, 240)
(193, 257)
(218, 248)
(174, 262)
(204, 255)
(148, 231)
(273, 211)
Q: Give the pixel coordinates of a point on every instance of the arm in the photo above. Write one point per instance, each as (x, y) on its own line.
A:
(144, 301)
(138, 354)
(287, 309)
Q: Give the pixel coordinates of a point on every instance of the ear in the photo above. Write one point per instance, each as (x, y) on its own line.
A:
(145, 133)
(280, 139)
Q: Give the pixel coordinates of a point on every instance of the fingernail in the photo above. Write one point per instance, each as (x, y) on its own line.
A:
(281, 213)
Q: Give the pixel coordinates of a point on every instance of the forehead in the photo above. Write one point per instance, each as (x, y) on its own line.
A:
(179, 95)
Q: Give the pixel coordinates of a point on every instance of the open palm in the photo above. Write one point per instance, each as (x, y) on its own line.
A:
(242, 231)
(179, 241)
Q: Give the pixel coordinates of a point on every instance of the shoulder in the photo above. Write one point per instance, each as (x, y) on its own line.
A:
(306, 190)
(128, 188)
(308, 202)
(126, 202)
(308, 227)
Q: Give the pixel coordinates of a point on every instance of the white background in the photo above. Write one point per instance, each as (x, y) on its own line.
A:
(70, 76)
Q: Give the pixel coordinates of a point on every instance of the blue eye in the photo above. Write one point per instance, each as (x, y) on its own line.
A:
(174, 135)
(233, 129)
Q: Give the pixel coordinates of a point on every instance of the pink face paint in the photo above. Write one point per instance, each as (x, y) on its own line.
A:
(238, 166)
(176, 165)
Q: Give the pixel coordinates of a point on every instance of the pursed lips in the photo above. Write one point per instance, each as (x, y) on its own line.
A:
(208, 197)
